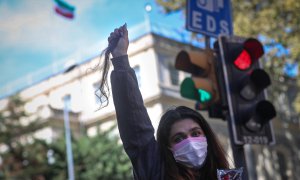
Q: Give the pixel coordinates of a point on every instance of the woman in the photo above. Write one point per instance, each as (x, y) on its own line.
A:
(186, 147)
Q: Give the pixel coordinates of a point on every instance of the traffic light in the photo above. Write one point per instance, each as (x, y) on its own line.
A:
(202, 86)
(249, 111)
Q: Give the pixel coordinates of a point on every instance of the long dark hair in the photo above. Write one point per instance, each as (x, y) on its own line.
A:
(103, 89)
(216, 158)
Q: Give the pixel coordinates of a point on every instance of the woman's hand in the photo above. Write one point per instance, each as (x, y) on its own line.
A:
(120, 33)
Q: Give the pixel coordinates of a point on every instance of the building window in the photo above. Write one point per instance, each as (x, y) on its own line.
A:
(174, 74)
(137, 71)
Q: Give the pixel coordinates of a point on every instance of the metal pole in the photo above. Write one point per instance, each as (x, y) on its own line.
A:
(207, 42)
(238, 153)
(148, 9)
(68, 138)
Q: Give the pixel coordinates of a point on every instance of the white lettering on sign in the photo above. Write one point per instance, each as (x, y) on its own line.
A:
(210, 23)
(197, 19)
(210, 5)
(206, 5)
(224, 27)
(256, 139)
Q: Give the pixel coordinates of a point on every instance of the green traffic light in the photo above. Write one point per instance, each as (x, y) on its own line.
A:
(204, 96)
(188, 90)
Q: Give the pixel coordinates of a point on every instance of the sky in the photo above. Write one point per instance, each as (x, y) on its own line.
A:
(34, 36)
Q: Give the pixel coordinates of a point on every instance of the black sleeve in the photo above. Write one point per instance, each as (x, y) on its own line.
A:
(134, 124)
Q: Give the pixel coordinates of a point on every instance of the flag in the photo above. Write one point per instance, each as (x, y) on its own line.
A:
(64, 9)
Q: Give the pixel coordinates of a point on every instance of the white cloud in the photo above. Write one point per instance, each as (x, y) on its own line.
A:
(34, 24)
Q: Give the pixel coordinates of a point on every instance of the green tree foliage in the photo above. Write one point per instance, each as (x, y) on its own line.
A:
(24, 157)
(98, 157)
(172, 5)
(277, 22)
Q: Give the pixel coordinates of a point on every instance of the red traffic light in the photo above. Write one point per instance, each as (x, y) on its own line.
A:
(243, 61)
(252, 50)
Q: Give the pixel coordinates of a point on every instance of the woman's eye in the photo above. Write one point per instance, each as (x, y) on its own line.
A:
(196, 134)
(178, 139)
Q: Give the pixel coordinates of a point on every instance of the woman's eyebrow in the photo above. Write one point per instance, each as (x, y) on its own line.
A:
(196, 128)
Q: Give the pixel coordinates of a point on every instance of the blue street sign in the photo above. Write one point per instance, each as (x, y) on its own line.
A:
(209, 17)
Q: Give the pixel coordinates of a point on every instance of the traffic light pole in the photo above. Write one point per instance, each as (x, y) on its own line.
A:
(207, 42)
(238, 152)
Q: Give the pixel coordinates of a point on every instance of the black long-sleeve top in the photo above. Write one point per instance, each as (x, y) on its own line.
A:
(134, 124)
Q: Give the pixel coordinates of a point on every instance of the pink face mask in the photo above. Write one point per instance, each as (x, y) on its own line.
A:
(191, 152)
